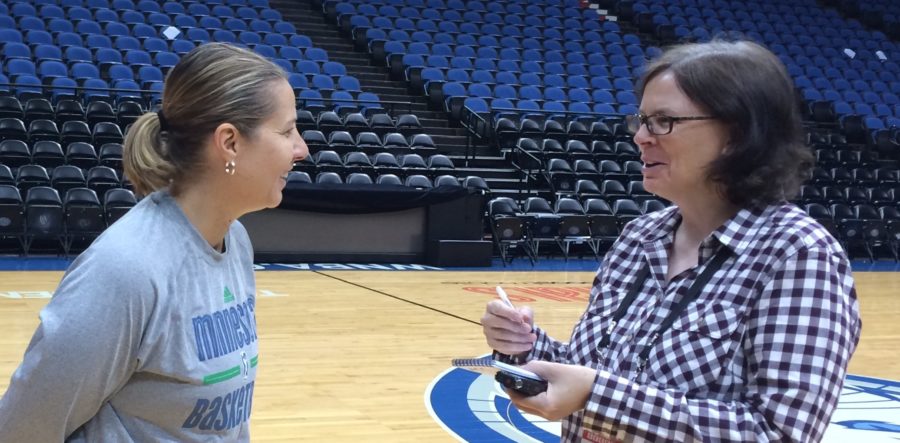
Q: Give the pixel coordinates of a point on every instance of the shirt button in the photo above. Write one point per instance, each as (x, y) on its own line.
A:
(629, 337)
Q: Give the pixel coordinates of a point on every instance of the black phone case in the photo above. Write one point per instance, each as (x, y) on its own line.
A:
(525, 386)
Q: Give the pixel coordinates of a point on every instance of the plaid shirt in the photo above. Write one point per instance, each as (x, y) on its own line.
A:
(760, 355)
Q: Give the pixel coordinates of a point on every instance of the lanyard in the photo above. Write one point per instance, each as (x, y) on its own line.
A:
(691, 295)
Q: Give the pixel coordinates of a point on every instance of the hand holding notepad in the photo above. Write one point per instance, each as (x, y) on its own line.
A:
(511, 377)
(506, 332)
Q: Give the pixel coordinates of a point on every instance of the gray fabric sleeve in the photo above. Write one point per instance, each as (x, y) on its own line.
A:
(82, 352)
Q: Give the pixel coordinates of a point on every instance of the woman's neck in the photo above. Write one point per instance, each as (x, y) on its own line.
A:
(700, 217)
(204, 209)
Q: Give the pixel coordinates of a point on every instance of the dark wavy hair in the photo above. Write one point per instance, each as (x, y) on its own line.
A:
(747, 88)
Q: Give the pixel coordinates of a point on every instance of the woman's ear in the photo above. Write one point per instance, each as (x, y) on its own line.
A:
(225, 140)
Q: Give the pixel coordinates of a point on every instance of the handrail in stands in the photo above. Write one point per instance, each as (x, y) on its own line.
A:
(475, 125)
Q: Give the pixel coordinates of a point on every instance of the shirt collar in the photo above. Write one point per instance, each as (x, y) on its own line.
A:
(738, 233)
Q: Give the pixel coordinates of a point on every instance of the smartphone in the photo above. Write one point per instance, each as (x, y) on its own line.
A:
(512, 377)
(520, 380)
(523, 385)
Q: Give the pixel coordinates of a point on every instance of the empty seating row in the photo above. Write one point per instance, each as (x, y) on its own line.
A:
(62, 178)
(220, 8)
(417, 181)
(509, 126)
(65, 110)
(864, 230)
(42, 221)
(886, 195)
(69, 132)
(343, 141)
(577, 149)
(356, 122)
(124, 49)
(381, 162)
(50, 154)
(596, 223)
(867, 175)
(563, 174)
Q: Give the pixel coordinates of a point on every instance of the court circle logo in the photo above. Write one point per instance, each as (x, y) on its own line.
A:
(473, 408)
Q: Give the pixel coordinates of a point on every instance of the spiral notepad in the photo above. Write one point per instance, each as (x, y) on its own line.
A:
(484, 365)
(487, 365)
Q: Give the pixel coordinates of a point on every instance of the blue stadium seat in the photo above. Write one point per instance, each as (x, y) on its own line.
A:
(224, 36)
(322, 82)
(308, 67)
(275, 40)
(270, 15)
(49, 69)
(120, 72)
(235, 24)
(261, 26)
(198, 9)
(13, 50)
(159, 20)
(349, 83)
(316, 54)
(173, 8)
(197, 35)
(97, 41)
(137, 58)
(38, 37)
(311, 99)
(63, 88)
(154, 45)
(297, 81)
(95, 88)
(20, 66)
(334, 69)
(47, 52)
(222, 11)
(150, 73)
(283, 27)
(209, 23)
(30, 23)
(182, 46)
(246, 13)
(11, 35)
(249, 38)
(184, 21)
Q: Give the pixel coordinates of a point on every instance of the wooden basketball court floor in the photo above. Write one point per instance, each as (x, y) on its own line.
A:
(348, 355)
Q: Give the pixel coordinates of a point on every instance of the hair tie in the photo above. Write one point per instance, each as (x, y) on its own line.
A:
(163, 124)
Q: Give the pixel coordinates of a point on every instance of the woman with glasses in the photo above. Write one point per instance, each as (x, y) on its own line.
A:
(730, 315)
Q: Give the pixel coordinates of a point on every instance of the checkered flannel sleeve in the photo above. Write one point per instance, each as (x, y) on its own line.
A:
(799, 339)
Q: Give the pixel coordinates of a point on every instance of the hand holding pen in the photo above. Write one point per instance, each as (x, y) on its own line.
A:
(508, 329)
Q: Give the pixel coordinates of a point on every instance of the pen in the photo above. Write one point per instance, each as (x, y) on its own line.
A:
(504, 297)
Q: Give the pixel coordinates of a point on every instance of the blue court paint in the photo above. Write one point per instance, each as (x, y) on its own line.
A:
(472, 408)
(34, 263)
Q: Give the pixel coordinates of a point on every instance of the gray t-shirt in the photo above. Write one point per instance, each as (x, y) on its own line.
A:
(150, 336)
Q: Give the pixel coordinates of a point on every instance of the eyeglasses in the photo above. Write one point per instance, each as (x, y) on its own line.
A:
(657, 124)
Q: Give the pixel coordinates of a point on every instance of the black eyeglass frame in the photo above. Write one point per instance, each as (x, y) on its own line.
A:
(644, 119)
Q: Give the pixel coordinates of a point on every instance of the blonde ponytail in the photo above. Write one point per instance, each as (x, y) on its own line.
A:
(144, 157)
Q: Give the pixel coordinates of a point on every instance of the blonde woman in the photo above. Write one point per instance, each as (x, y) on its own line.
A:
(151, 335)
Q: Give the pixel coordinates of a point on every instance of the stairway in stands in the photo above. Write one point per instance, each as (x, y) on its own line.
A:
(450, 138)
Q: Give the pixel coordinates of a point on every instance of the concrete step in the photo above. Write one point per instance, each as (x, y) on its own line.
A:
(374, 75)
(449, 136)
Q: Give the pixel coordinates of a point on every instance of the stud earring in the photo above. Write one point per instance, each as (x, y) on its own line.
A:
(230, 167)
